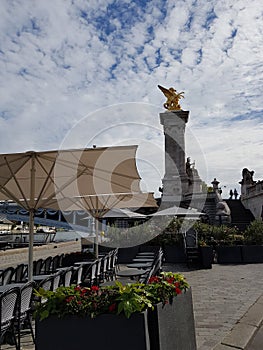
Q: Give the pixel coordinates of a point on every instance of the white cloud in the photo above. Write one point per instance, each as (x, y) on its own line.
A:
(62, 60)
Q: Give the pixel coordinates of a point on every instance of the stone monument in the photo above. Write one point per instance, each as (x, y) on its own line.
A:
(175, 181)
(181, 183)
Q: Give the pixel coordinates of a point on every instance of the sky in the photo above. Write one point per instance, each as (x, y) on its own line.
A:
(78, 73)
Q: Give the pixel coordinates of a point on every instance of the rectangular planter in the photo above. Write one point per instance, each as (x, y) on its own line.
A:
(125, 255)
(165, 328)
(207, 257)
(104, 332)
(171, 327)
(229, 255)
(252, 253)
(174, 254)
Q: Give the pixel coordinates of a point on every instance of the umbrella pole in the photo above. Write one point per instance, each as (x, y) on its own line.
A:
(97, 238)
(31, 245)
(31, 217)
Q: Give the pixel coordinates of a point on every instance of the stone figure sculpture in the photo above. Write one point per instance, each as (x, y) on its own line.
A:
(247, 177)
(172, 102)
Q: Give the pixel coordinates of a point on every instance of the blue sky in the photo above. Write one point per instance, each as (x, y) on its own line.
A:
(77, 73)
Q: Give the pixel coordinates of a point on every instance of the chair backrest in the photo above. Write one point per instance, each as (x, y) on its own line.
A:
(37, 267)
(26, 297)
(6, 275)
(20, 273)
(98, 269)
(67, 274)
(76, 277)
(47, 283)
(60, 261)
(114, 259)
(104, 265)
(89, 275)
(47, 268)
(55, 263)
(8, 307)
(190, 239)
(57, 277)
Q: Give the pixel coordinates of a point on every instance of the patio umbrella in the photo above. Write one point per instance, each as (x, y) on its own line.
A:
(45, 179)
(178, 211)
(100, 205)
(123, 213)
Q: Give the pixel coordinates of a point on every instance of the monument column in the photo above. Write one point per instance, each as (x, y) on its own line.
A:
(175, 181)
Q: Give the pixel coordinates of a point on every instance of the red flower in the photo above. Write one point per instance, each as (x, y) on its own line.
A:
(94, 288)
(170, 280)
(177, 284)
(69, 299)
(112, 307)
(154, 279)
(178, 290)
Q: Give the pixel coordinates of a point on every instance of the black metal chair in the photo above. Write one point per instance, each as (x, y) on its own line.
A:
(8, 307)
(46, 283)
(89, 276)
(6, 275)
(19, 274)
(76, 277)
(37, 267)
(66, 276)
(55, 263)
(113, 264)
(47, 265)
(191, 246)
(103, 274)
(57, 278)
(23, 318)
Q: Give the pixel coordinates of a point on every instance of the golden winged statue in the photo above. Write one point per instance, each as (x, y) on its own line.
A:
(172, 103)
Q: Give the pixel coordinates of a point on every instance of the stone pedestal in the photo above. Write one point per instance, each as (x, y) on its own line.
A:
(175, 181)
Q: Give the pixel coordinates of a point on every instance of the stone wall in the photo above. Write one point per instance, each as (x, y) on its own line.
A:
(252, 198)
(13, 257)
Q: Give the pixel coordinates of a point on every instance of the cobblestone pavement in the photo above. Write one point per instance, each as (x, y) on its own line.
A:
(221, 296)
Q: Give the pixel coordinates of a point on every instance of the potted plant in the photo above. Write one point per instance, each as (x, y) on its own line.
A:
(252, 251)
(119, 316)
(205, 244)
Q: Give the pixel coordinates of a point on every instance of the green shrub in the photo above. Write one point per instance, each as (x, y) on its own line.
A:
(254, 233)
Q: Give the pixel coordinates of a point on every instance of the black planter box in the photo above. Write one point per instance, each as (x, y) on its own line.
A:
(125, 255)
(207, 257)
(252, 253)
(104, 332)
(171, 327)
(229, 255)
(168, 327)
(174, 254)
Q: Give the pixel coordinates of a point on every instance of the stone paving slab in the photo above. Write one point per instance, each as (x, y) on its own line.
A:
(257, 342)
(240, 336)
(254, 316)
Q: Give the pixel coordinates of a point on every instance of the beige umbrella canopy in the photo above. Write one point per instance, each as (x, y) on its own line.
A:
(178, 211)
(94, 179)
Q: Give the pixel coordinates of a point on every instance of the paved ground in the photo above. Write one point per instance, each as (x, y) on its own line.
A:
(228, 306)
(257, 341)
(221, 296)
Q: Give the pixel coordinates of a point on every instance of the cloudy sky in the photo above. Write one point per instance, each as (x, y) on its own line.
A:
(83, 72)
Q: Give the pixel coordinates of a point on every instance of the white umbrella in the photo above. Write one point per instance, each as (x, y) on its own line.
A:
(44, 179)
(178, 211)
(123, 213)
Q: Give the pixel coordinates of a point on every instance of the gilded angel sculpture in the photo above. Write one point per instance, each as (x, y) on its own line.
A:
(172, 103)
